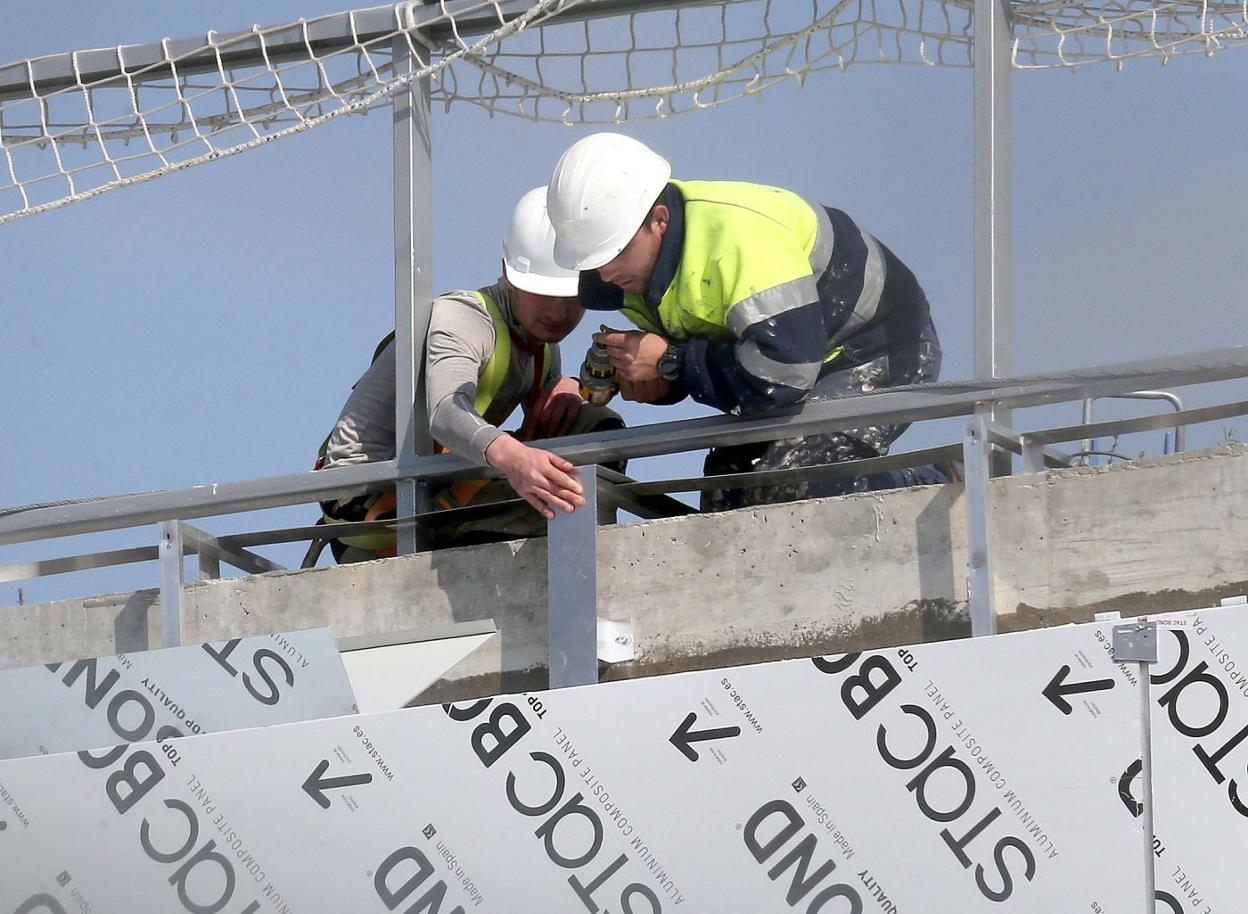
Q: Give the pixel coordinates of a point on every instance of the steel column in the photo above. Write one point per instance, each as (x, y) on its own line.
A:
(413, 286)
(977, 453)
(171, 578)
(993, 322)
(572, 579)
(1137, 642)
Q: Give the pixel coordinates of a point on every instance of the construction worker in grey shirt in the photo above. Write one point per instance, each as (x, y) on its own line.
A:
(488, 351)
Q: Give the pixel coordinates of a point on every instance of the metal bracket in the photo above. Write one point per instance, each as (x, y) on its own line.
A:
(616, 643)
(212, 552)
(977, 451)
(171, 582)
(1136, 641)
(572, 575)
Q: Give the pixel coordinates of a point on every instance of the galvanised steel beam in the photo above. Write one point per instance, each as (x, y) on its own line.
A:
(931, 401)
(171, 581)
(1141, 423)
(20, 571)
(323, 35)
(623, 492)
(981, 595)
(413, 290)
(797, 474)
(993, 319)
(207, 546)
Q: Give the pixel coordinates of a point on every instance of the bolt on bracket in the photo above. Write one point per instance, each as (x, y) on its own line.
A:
(1136, 641)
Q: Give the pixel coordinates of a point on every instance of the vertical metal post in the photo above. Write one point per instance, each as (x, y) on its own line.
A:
(1033, 455)
(572, 579)
(976, 453)
(209, 565)
(1137, 642)
(993, 323)
(171, 577)
(1087, 444)
(413, 285)
(1146, 786)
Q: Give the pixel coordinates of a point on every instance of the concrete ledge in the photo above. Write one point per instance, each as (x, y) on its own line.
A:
(808, 578)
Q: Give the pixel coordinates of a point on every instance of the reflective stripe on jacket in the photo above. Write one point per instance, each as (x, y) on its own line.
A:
(765, 289)
(490, 381)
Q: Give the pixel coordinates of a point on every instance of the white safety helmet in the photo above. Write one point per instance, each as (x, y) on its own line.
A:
(528, 250)
(599, 195)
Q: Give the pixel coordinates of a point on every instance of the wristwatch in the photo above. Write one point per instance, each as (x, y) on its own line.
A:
(669, 363)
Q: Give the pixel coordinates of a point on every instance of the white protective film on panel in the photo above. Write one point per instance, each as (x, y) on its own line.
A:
(963, 777)
(225, 685)
(386, 678)
(1199, 702)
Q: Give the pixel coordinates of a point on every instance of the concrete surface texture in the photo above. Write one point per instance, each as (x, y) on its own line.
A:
(814, 577)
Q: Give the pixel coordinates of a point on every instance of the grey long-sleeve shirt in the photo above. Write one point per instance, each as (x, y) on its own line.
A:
(460, 342)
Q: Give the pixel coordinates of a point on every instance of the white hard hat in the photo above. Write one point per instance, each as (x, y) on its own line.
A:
(599, 195)
(528, 250)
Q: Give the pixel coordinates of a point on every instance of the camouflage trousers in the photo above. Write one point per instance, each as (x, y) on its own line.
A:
(834, 447)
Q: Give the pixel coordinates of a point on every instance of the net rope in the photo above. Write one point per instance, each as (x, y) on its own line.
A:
(73, 126)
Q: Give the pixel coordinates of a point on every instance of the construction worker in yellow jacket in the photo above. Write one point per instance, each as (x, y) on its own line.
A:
(748, 297)
(488, 351)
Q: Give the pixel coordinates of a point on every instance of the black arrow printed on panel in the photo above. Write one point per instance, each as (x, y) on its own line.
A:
(315, 786)
(684, 737)
(1057, 689)
(1134, 806)
(1169, 900)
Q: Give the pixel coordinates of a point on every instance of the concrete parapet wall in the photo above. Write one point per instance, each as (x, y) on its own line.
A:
(812, 577)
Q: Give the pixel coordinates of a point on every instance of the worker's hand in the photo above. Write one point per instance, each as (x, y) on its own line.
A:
(644, 391)
(634, 355)
(556, 409)
(544, 480)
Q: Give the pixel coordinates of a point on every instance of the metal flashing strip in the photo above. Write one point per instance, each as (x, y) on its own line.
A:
(368, 642)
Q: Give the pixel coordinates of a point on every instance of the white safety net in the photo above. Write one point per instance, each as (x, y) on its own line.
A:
(1070, 34)
(75, 125)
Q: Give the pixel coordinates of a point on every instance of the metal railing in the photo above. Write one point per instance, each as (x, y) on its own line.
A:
(1088, 447)
(573, 545)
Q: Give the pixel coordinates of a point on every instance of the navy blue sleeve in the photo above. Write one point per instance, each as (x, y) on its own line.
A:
(775, 363)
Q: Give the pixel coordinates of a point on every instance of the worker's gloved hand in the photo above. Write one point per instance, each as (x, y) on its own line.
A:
(544, 480)
(555, 412)
(634, 355)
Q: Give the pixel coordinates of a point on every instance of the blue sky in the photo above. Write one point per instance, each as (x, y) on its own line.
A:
(208, 325)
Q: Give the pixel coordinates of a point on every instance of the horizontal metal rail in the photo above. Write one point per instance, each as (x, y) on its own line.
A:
(43, 568)
(1140, 424)
(209, 548)
(848, 468)
(322, 35)
(645, 499)
(931, 401)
